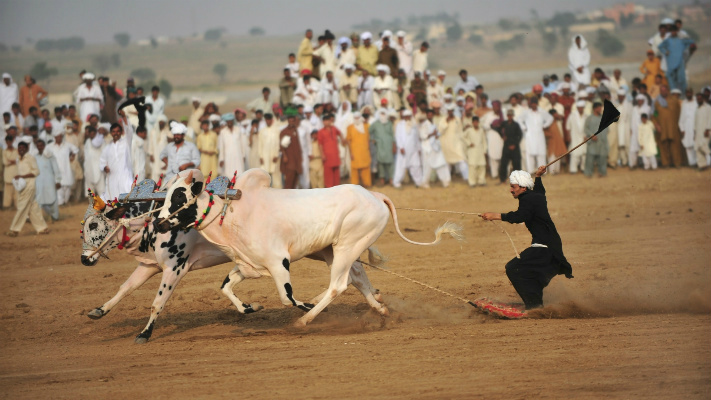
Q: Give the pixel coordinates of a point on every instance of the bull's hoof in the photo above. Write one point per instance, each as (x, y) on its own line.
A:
(252, 308)
(384, 311)
(140, 340)
(96, 313)
(306, 307)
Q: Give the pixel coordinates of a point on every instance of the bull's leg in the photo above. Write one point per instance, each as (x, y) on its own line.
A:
(282, 279)
(343, 257)
(233, 278)
(139, 276)
(358, 278)
(171, 278)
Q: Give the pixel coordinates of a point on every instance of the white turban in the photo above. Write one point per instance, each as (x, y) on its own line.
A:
(308, 109)
(583, 93)
(6, 75)
(348, 66)
(407, 113)
(162, 118)
(521, 178)
(590, 89)
(621, 92)
(195, 98)
(400, 33)
(641, 97)
(382, 67)
(88, 76)
(564, 85)
(447, 96)
(677, 91)
(580, 103)
(176, 128)
(213, 118)
(441, 72)
(366, 36)
(387, 33)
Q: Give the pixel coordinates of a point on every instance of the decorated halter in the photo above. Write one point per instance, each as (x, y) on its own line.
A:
(207, 210)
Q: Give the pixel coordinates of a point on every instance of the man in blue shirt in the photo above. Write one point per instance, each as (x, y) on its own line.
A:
(673, 47)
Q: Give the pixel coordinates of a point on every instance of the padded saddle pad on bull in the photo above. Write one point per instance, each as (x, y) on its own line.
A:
(500, 310)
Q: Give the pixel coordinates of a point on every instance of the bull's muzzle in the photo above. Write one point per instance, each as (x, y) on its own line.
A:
(88, 261)
(161, 225)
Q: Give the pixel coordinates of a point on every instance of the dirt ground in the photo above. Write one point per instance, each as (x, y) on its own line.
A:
(634, 322)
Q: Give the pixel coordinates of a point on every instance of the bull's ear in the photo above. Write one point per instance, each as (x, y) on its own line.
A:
(118, 212)
(196, 188)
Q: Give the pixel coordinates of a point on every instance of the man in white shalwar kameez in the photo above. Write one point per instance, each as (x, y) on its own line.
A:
(307, 91)
(452, 135)
(156, 101)
(535, 121)
(64, 153)
(702, 132)
(269, 150)
(641, 107)
(624, 128)
(576, 126)
(365, 87)
(329, 90)
(407, 158)
(48, 181)
(90, 97)
(383, 86)
(304, 130)
(93, 175)
(404, 54)
(232, 147)
(419, 58)
(157, 140)
(9, 93)
(686, 125)
(432, 157)
(116, 161)
(579, 61)
(494, 142)
(138, 153)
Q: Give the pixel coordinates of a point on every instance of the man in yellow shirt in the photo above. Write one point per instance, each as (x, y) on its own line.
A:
(367, 56)
(27, 170)
(305, 53)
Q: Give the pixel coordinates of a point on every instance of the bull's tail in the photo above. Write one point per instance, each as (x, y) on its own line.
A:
(454, 230)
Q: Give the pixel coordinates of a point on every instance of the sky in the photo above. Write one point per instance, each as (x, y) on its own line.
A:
(98, 20)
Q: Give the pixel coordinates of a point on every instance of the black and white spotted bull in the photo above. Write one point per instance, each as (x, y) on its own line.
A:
(175, 253)
(268, 229)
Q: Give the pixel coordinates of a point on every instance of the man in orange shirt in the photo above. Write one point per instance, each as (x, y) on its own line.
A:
(30, 95)
(651, 67)
(358, 139)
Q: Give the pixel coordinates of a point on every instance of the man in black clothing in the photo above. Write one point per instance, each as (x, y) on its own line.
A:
(511, 133)
(544, 259)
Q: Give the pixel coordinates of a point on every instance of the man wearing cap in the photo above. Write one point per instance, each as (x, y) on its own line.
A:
(47, 181)
(383, 86)
(346, 55)
(326, 55)
(367, 56)
(348, 85)
(89, 97)
(269, 148)
(64, 153)
(291, 165)
(432, 156)
(623, 128)
(306, 51)
(179, 155)
(673, 48)
(686, 125)
(9, 93)
(404, 53)
(539, 263)
(27, 206)
(93, 147)
(450, 127)
(116, 160)
(407, 157)
(534, 121)
(232, 147)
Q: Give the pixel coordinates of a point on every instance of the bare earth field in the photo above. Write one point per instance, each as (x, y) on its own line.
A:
(634, 323)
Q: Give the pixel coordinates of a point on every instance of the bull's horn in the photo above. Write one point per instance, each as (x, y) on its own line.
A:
(189, 178)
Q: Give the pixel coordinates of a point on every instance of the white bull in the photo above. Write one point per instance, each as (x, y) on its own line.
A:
(178, 252)
(268, 229)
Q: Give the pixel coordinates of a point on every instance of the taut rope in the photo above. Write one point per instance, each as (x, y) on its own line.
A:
(419, 283)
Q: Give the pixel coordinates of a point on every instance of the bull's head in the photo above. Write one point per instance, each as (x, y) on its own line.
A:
(180, 210)
(97, 226)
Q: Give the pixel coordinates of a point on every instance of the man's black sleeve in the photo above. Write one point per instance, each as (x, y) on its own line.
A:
(523, 214)
(538, 186)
